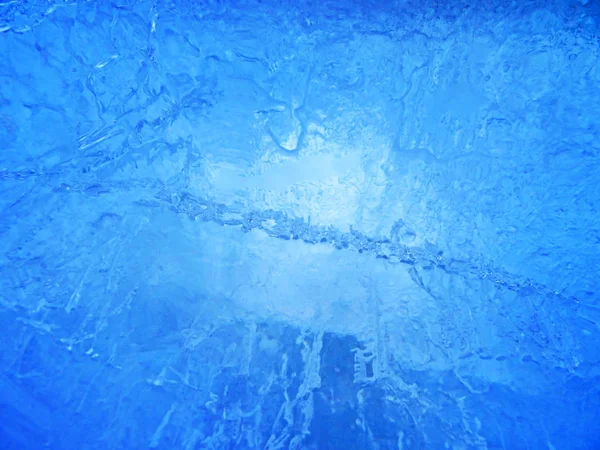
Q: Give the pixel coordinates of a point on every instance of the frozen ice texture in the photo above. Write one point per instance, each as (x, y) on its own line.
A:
(299, 225)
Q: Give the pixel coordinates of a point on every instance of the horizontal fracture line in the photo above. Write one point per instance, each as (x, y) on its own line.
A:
(287, 228)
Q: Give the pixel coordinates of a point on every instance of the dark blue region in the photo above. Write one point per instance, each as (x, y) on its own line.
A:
(299, 225)
(343, 413)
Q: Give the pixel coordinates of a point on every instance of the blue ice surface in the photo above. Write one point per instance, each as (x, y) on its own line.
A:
(299, 225)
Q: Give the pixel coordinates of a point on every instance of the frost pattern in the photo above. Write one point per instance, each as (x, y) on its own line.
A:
(314, 225)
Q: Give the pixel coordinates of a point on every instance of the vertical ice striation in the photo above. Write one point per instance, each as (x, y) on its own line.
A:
(299, 225)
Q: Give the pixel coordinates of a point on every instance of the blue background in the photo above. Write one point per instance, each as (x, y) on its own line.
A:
(299, 225)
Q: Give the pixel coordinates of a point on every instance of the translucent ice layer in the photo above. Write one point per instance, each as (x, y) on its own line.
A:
(299, 225)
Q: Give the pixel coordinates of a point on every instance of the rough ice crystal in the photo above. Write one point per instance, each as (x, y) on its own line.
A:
(299, 225)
